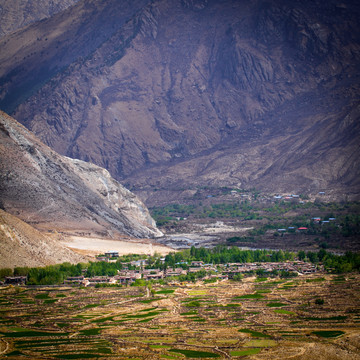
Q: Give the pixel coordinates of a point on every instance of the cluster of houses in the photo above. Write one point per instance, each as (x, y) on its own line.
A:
(124, 277)
(315, 220)
(286, 197)
(220, 272)
(14, 280)
(299, 267)
(294, 197)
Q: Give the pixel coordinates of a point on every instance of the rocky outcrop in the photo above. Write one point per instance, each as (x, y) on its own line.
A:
(166, 83)
(52, 192)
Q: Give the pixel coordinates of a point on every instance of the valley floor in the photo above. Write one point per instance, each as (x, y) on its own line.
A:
(259, 221)
(313, 316)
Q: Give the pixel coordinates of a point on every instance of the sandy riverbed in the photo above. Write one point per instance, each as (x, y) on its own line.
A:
(205, 235)
(219, 228)
(94, 246)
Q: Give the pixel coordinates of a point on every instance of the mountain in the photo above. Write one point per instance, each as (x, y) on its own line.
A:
(176, 95)
(55, 193)
(23, 245)
(16, 14)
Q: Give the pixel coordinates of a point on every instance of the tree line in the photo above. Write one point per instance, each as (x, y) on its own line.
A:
(56, 274)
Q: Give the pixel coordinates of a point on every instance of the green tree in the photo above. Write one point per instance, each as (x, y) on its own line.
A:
(301, 255)
(5, 272)
(21, 271)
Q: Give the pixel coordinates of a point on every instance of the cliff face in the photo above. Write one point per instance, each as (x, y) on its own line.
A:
(53, 192)
(182, 93)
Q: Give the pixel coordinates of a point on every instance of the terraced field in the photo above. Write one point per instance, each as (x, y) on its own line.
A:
(306, 318)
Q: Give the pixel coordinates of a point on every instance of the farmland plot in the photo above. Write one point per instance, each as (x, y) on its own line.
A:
(227, 320)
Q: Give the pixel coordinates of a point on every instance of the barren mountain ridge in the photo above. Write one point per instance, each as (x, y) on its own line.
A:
(56, 193)
(180, 94)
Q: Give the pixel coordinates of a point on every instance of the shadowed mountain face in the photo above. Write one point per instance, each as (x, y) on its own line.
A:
(184, 93)
(53, 192)
(16, 14)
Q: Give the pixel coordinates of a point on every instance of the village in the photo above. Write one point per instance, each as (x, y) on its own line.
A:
(136, 270)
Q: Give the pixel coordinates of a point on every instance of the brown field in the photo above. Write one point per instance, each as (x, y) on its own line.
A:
(309, 317)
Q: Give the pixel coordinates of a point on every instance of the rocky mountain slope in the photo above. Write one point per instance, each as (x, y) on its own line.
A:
(53, 192)
(22, 245)
(188, 93)
(16, 14)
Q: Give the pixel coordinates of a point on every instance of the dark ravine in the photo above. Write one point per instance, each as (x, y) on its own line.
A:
(262, 94)
(56, 193)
